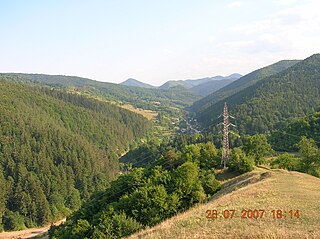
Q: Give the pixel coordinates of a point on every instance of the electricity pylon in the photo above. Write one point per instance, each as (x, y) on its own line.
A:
(226, 124)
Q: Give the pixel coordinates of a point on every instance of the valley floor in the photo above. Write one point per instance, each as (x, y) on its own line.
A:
(261, 189)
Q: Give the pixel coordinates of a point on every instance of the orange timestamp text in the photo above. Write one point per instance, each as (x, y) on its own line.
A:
(252, 213)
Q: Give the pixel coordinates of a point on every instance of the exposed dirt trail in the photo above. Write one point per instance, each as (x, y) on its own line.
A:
(28, 233)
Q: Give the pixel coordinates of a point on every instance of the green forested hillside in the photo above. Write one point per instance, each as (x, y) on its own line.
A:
(288, 136)
(146, 196)
(55, 150)
(263, 106)
(245, 81)
(152, 99)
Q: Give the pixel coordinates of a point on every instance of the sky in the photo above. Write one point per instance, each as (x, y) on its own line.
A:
(154, 41)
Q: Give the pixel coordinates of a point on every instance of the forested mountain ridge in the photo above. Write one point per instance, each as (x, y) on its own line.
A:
(196, 82)
(56, 149)
(150, 99)
(203, 86)
(240, 84)
(207, 88)
(261, 107)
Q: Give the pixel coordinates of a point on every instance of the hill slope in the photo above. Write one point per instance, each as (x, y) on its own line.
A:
(272, 190)
(55, 150)
(242, 83)
(188, 84)
(137, 96)
(208, 79)
(136, 83)
(173, 83)
(259, 108)
(211, 86)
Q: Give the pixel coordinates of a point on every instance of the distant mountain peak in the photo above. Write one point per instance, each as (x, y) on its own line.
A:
(136, 83)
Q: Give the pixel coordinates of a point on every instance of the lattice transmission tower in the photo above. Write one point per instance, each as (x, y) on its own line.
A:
(226, 147)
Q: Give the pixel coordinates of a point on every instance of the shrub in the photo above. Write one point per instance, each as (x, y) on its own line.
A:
(210, 184)
(240, 162)
(286, 161)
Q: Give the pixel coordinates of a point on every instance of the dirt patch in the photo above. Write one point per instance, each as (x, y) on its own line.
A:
(29, 233)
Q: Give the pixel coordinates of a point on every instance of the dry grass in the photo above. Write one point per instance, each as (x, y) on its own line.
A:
(149, 114)
(261, 189)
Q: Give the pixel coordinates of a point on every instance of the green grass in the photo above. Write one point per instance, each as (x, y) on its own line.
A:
(260, 189)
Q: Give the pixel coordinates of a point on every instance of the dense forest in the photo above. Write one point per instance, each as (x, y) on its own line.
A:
(56, 149)
(240, 84)
(262, 107)
(287, 137)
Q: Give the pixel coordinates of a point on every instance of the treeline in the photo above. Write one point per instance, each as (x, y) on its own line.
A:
(56, 149)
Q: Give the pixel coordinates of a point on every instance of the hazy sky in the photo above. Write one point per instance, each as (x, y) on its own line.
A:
(154, 40)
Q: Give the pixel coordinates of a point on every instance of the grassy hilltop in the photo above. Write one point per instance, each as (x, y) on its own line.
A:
(260, 189)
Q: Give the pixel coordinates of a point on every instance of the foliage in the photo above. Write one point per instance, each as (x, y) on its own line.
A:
(257, 146)
(307, 162)
(143, 197)
(288, 137)
(56, 149)
(13, 221)
(310, 162)
(286, 161)
(173, 152)
(209, 183)
(240, 162)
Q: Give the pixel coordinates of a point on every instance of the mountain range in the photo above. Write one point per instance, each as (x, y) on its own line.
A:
(201, 87)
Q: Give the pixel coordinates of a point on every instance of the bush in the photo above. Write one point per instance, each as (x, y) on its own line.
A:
(240, 162)
(286, 161)
(258, 147)
(113, 224)
(210, 184)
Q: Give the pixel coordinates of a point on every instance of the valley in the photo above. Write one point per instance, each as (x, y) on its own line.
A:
(160, 119)
(132, 160)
